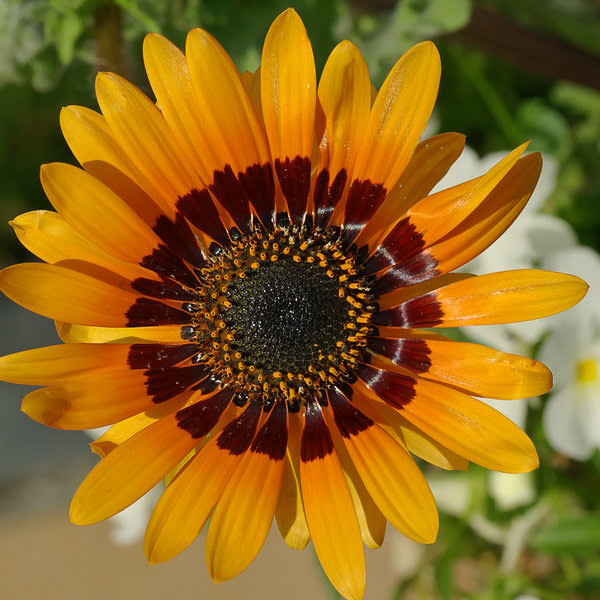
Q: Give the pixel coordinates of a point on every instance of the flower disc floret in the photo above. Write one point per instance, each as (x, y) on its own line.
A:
(282, 314)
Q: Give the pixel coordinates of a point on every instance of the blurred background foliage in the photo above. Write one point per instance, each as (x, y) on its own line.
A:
(51, 50)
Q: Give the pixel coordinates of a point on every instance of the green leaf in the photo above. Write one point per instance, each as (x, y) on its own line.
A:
(547, 127)
(142, 13)
(46, 71)
(65, 30)
(576, 537)
(432, 17)
(450, 15)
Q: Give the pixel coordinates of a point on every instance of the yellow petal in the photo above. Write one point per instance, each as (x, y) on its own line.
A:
(291, 519)
(140, 129)
(118, 335)
(66, 295)
(289, 96)
(504, 297)
(130, 470)
(399, 116)
(330, 513)
(169, 77)
(47, 235)
(288, 87)
(97, 213)
(96, 400)
(472, 368)
(52, 364)
(244, 514)
(466, 426)
(389, 473)
(232, 131)
(93, 143)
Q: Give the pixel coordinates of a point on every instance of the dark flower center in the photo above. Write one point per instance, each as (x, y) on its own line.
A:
(285, 315)
(282, 315)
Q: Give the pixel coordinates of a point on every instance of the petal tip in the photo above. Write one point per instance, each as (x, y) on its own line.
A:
(77, 514)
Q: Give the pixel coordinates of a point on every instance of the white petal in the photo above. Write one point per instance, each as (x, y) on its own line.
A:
(511, 490)
(548, 234)
(563, 346)
(451, 491)
(515, 410)
(545, 185)
(564, 422)
(585, 263)
(467, 166)
(96, 433)
(128, 526)
(589, 397)
(495, 336)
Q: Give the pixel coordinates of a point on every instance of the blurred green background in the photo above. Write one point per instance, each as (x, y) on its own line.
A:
(512, 70)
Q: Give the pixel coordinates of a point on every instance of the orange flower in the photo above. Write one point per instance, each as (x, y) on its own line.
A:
(242, 273)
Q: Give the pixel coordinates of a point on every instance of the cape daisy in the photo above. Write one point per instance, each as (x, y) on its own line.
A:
(242, 273)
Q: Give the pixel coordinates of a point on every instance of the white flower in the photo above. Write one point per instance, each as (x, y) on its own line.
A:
(128, 526)
(572, 351)
(511, 490)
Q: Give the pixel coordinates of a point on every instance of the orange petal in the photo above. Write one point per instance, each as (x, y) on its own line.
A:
(406, 434)
(130, 470)
(457, 202)
(464, 425)
(291, 519)
(491, 219)
(389, 473)
(472, 368)
(244, 514)
(370, 518)
(97, 213)
(192, 494)
(66, 295)
(289, 95)
(505, 297)
(330, 513)
(430, 162)
(399, 115)
(345, 95)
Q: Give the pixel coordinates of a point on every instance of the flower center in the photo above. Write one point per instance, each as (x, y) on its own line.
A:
(587, 371)
(283, 314)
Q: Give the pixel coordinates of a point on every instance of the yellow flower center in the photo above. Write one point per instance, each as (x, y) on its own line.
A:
(587, 371)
